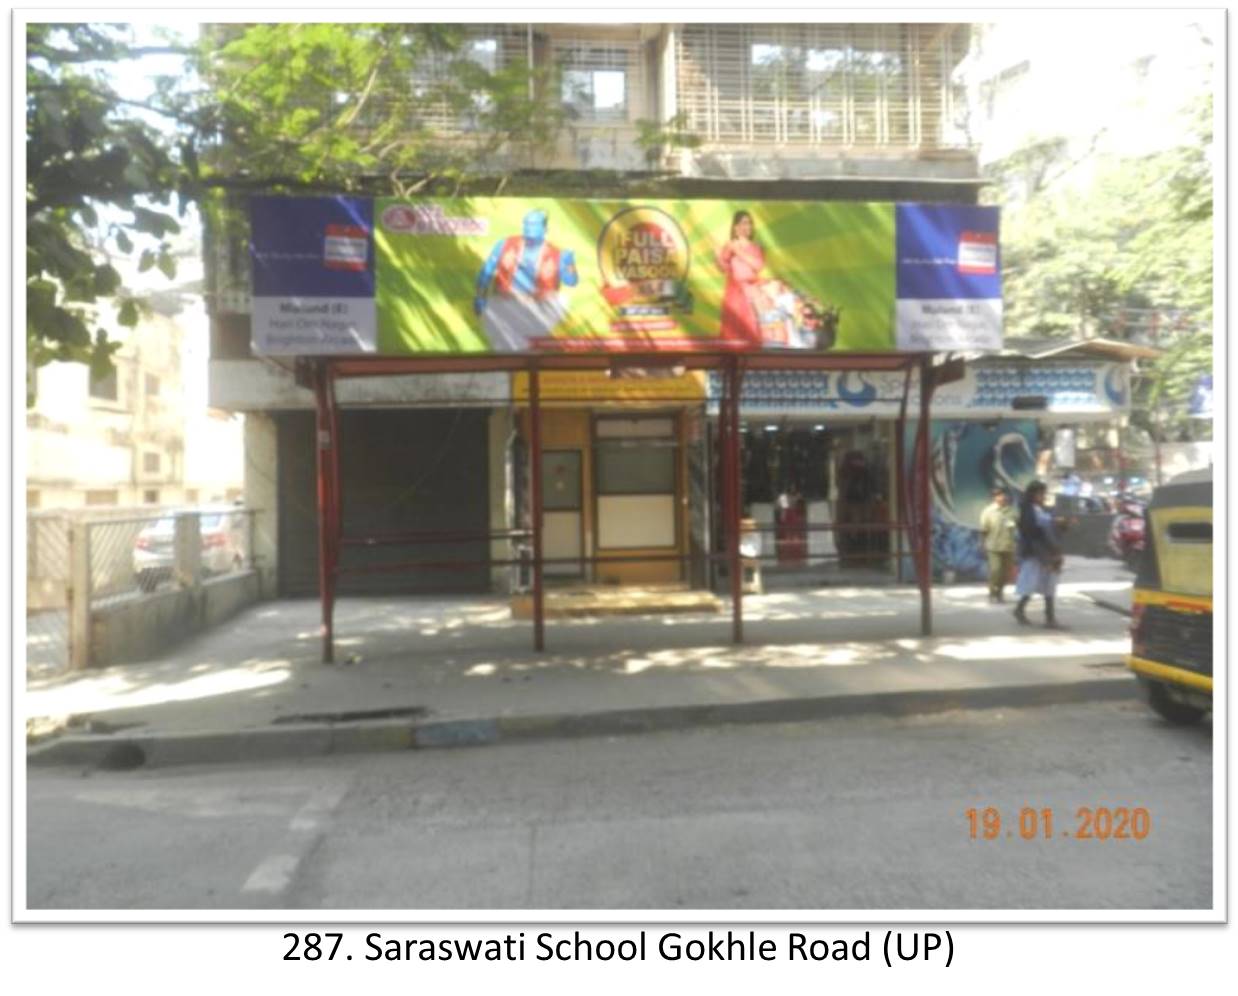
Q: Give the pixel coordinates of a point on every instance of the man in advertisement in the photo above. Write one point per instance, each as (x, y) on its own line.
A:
(519, 294)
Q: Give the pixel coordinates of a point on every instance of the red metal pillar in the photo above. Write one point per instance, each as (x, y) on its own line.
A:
(722, 474)
(535, 492)
(326, 445)
(335, 523)
(735, 506)
(900, 477)
(924, 512)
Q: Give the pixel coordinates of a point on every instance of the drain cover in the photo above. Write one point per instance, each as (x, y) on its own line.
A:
(407, 712)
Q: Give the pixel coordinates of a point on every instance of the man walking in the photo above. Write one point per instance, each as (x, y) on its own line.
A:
(998, 523)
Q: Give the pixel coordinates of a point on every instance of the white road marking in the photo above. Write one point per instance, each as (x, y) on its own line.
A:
(273, 874)
(320, 806)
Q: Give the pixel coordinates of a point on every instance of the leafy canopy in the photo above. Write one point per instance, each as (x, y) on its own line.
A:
(1135, 239)
(100, 179)
(258, 107)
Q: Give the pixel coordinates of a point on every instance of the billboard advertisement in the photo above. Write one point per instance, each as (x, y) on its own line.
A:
(350, 275)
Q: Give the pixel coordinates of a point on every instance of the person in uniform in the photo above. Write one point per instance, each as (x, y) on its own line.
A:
(998, 524)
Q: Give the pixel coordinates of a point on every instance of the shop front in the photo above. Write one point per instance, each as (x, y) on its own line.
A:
(618, 502)
(821, 453)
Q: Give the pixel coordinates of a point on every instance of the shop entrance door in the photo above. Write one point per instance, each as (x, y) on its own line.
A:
(562, 504)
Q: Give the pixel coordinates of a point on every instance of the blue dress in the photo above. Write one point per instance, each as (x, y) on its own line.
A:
(1035, 575)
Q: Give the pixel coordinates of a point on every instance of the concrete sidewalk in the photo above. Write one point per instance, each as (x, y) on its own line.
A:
(422, 672)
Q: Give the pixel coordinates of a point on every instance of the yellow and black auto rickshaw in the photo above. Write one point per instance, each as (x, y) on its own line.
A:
(1171, 617)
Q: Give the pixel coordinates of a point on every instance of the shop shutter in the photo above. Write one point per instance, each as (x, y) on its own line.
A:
(403, 470)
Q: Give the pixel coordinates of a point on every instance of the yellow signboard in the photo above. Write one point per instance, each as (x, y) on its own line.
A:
(589, 387)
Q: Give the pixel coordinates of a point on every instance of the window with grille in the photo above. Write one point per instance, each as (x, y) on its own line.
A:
(105, 388)
(598, 80)
(447, 81)
(818, 84)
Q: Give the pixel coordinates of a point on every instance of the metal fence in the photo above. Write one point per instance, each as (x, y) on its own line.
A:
(125, 556)
(47, 594)
(138, 556)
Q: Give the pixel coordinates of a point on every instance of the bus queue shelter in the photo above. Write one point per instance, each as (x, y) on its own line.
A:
(912, 513)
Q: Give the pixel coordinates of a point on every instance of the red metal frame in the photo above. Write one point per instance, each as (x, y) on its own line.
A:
(326, 452)
(924, 469)
(535, 492)
(913, 512)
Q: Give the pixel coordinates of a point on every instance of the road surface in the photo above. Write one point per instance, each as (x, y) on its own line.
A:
(857, 813)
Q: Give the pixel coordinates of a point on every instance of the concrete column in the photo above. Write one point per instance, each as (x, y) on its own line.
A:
(262, 495)
(502, 495)
(187, 551)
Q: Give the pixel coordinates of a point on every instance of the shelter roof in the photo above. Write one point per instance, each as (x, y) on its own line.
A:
(1108, 349)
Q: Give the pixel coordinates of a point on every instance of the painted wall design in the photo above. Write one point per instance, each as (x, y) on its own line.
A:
(969, 459)
(1097, 388)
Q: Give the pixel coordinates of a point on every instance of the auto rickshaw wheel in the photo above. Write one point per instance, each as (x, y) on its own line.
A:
(1170, 709)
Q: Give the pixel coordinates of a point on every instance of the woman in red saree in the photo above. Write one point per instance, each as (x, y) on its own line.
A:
(742, 261)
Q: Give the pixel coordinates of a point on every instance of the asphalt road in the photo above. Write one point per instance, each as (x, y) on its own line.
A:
(862, 813)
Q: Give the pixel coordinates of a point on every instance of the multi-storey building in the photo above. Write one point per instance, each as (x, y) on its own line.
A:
(1027, 81)
(139, 436)
(820, 112)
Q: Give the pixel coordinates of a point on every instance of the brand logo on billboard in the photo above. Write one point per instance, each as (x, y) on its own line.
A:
(345, 247)
(430, 219)
(978, 253)
(643, 256)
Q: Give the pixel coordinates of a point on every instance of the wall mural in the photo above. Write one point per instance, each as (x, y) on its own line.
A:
(969, 459)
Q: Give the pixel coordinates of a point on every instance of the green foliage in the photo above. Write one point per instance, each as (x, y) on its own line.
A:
(654, 137)
(331, 105)
(97, 174)
(376, 108)
(1078, 258)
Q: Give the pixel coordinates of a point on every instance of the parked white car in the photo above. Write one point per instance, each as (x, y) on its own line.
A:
(223, 546)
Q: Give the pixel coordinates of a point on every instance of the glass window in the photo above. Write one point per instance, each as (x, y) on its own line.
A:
(105, 388)
(150, 463)
(1190, 532)
(595, 83)
(635, 467)
(596, 95)
(152, 386)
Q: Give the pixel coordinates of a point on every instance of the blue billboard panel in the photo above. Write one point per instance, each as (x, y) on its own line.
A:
(313, 275)
(948, 281)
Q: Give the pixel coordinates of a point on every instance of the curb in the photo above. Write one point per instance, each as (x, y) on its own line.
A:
(320, 739)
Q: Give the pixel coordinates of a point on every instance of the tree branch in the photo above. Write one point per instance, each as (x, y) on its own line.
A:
(63, 55)
(113, 98)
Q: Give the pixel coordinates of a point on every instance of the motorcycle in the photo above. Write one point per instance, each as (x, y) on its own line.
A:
(1128, 533)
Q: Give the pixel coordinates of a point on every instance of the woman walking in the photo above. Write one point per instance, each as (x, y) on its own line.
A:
(1040, 556)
